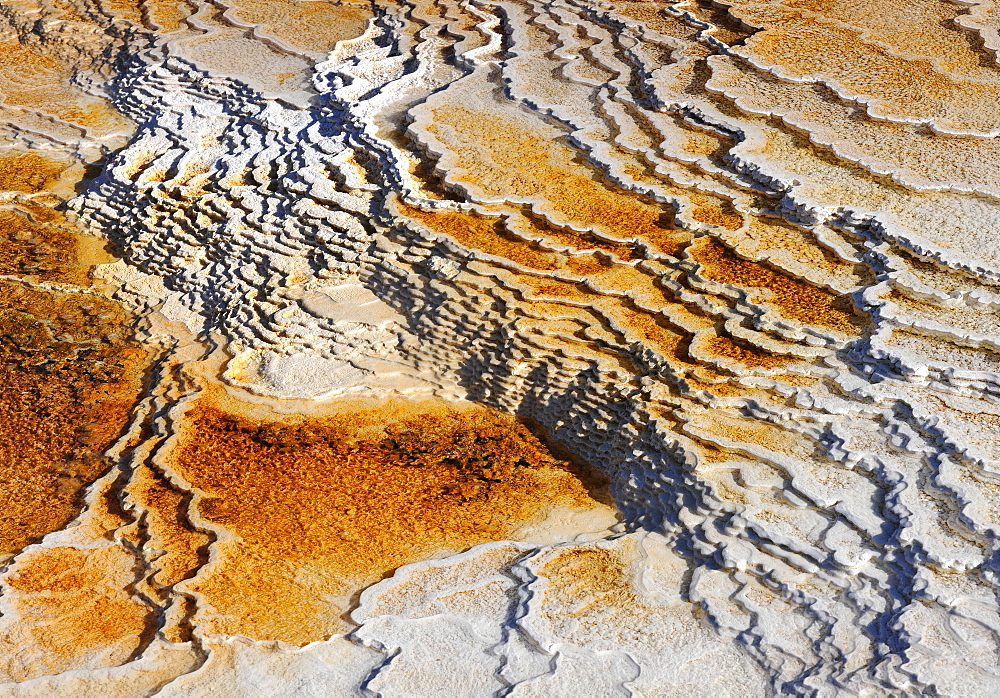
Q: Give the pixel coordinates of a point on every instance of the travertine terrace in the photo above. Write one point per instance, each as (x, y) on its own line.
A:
(499, 347)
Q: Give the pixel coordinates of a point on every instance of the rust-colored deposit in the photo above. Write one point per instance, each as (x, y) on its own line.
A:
(592, 587)
(306, 25)
(313, 511)
(793, 298)
(892, 83)
(172, 548)
(44, 82)
(484, 234)
(38, 242)
(722, 346)
(70, 608)
(176, 544)
(491, 236)
(68, 380)
(28, 172)
(489, 157)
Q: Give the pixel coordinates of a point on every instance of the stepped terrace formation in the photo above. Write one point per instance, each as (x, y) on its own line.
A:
(499, 347)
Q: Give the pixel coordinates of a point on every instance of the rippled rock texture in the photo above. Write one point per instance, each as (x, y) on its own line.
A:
(499, 347)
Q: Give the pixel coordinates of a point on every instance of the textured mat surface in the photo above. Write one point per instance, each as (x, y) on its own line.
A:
(499, 347)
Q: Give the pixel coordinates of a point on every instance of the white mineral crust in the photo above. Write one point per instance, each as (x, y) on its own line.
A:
(808, 506)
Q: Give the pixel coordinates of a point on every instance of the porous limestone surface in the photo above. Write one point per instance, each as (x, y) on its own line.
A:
(312, 259)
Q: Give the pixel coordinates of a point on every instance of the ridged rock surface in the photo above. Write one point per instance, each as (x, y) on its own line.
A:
(499, 347)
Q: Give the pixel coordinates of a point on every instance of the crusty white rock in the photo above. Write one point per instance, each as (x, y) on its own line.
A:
(740, 256)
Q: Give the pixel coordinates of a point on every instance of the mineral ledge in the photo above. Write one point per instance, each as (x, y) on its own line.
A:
(553, 348)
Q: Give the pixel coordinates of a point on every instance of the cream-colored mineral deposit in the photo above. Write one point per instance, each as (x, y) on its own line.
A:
(529, 348)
